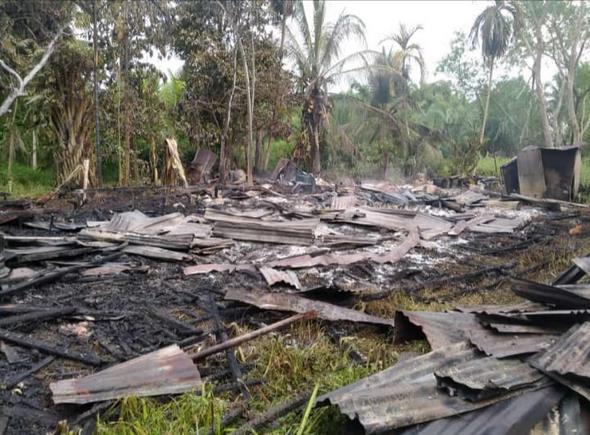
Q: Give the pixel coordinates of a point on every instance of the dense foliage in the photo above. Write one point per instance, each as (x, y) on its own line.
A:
(255, 86)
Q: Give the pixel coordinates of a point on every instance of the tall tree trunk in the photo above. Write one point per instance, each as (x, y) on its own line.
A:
(259, 158)
(126, 118)
(548, 141)
(316, 117)
(34, 151)
(154, 160)
(250, 145)
(11, 147)
(96, 106)
(571, 76)
(487, 105)
(224, 151)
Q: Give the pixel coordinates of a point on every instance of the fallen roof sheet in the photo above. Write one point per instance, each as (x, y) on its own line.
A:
(394, 255)
(486, 377)
(570, 355)
(393, 219)
(566, 418)
(297, 232)
(505, 345)
(157, 253)
(217, 267)
(515, 416)
(343, 202)
(273, 276)
(298, 304)
(547, 294)
(165, 371)
(440, 329)
(406, 393)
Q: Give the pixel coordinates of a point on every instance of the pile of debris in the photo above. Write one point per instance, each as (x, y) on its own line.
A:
(103, 290)
(492, 369)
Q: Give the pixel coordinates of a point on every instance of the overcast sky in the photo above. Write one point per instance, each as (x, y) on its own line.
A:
(440, 19)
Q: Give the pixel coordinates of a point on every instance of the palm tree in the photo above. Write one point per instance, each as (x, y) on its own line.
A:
(409, 52)
(316, 51)
(495, 27)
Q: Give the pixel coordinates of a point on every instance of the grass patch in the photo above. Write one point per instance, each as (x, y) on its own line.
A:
(486, 166)
(26, 181)
(189, 413)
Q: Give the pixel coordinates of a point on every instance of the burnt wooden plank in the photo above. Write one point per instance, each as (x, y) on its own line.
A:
(25, 341)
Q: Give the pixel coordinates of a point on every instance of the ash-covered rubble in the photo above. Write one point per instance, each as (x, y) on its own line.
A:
(92, 295)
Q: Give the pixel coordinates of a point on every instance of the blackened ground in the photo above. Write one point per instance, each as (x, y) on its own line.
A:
(115, 316)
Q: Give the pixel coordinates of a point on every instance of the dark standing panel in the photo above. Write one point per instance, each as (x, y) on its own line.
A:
(562, 170)
(510, 176)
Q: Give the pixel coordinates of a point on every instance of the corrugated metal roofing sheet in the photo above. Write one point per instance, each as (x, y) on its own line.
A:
(548, 294)
(486, 377)
(298, 304)
(406, 393)
(567, 418)
(570, 355)
(165, 371)
(504, 345)
(440, 329)
(514, 416)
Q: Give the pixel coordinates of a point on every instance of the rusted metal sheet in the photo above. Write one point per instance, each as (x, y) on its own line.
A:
(505, 345)
(440, 329)
(299, 232)
(515, 416)
(551, 295)
(531, 178)
(217, 267)
(157, 253)
(298, 304)
(393, 219)
(165, 371)
(499, 225)
(341, 259)
(273, 276)
(566, 418)
(343, 202)
(570, 355)
(172, 231)
(486, 377)
(406, 393)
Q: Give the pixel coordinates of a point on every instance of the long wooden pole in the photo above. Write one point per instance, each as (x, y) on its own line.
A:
(250, 336)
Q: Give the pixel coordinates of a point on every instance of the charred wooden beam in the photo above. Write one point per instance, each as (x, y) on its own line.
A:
(249, 336)
(24, 341)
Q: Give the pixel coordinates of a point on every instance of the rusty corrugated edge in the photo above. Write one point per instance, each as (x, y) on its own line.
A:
(487, 376)
(298, 304)
(406, 393)
(273, 276)
(514, 416)
(165, 371)
(440, 329)
(548, 294)
(569, 354)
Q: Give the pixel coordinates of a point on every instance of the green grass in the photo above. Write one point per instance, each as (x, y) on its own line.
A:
(289, 363)
(487, 167)
(27, 182)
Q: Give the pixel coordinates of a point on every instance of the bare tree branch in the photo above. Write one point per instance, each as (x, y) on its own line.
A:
(22, 83)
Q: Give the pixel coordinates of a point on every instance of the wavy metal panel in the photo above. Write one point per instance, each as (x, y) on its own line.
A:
(165, 371)
(570, 355)
(406, 393)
